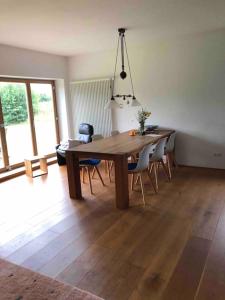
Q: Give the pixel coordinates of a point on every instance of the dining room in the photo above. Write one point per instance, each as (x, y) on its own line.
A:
(112, 150)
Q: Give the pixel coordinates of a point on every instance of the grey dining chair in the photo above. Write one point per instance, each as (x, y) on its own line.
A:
(156, 159)
(111, 163)
(142, 165)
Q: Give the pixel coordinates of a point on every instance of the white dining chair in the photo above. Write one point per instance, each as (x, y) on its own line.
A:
(142, 165)
(169, 153)
(156, 159)
(111, 163)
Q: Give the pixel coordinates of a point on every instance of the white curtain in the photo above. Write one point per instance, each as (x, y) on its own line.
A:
(88, 99)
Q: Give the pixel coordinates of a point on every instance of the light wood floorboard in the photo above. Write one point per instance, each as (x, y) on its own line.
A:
(173, 248)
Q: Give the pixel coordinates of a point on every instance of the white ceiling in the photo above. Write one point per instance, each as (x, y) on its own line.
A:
(69, 27)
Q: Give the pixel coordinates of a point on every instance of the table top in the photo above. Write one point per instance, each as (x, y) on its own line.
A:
(121, 144)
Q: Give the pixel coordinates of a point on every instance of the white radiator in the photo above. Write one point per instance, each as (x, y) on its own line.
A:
(88, 99)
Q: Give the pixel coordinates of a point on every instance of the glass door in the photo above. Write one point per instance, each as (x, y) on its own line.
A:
(15, 124)
(45, 119)
(1, 154)
(28, 120)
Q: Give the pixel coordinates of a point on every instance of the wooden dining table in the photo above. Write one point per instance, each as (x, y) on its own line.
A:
(114, 148)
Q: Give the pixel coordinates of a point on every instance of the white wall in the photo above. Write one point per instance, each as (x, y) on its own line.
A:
(182, 82)
(17, 62)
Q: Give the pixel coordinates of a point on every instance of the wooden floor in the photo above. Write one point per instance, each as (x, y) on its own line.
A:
(174, 248)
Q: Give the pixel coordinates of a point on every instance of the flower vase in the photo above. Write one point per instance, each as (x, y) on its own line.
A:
(142, 128)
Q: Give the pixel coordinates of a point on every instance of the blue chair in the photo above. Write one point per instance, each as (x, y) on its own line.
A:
(85, 136)
(87, 165)
(86, 132)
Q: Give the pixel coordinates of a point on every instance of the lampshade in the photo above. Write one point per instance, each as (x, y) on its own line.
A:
(135, 102)
(111, 104)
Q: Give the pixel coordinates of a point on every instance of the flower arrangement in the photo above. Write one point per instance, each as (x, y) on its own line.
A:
(142, 116)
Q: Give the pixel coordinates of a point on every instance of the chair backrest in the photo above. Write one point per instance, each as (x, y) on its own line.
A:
(170, 143)
(96, 137)
(114, 132)
(159, 150)
(85, 132)
(143, 160)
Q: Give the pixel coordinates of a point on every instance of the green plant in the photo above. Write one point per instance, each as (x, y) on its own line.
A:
(143, 115)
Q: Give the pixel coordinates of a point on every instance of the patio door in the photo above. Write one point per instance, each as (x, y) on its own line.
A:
(44, 117)
(28, 120)
(16, 124)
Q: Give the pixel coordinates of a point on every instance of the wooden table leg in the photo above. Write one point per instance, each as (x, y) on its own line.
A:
(121, 182)
(73, 173)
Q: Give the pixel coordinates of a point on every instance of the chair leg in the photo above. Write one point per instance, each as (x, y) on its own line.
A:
(99, 174)
(89, 177)
(168, 165)
(151, 167)
(154, 188)
(111, 165)
(164, 169)
(173, 159)
(93, 173)
(133, 158)
(156, 176)
(109, 170)
(142, 189)
(132, 182)
(106, 166)
(137, 179)
(158, 165)
(82, 173)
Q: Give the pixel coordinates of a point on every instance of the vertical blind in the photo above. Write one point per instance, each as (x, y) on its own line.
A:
(88, 99)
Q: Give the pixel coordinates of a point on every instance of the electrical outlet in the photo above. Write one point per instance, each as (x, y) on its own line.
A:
(217, 154)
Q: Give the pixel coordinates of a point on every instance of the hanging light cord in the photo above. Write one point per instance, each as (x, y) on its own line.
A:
(128, 62)
(114, 75)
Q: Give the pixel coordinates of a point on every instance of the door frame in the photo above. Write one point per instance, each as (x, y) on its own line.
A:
(27, 83)
(3, 141)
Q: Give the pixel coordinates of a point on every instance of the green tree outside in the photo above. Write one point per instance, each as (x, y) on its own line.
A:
(14, 103)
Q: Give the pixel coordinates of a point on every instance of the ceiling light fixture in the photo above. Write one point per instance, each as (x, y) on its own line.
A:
(130, 99)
